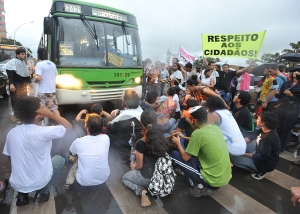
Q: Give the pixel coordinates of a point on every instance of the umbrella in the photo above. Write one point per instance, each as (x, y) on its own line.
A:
(293, 57)
(259, 70)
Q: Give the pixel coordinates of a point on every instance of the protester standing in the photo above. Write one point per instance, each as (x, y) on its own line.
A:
(19, 78)
(288, 109)
(164, 75)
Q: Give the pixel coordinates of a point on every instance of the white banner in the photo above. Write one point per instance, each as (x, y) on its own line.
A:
(184, 56)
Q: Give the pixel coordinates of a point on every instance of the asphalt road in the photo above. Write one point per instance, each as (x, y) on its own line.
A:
(242, 195)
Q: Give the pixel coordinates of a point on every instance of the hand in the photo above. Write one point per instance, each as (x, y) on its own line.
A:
(132, 166)
(84, 111)
(12, 88)
(114, 112)
(264, 105)
(179, 134)
(44, 112)
(295, 191)
(288, 93)
(176, 140)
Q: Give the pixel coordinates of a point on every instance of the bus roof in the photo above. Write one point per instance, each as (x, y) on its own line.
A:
(93, 5)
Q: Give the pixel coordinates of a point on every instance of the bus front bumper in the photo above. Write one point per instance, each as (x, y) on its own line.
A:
(68, 97)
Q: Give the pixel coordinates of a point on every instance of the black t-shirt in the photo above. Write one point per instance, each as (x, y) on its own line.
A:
(267, 151)
(186, 126)
(244, 120)
(225, 80)
(149, 160)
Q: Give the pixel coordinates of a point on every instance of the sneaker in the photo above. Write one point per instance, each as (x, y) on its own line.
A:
(258, 176)
(145, 201)
(196, 192)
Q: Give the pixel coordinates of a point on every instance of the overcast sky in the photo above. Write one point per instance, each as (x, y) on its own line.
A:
(165, 24)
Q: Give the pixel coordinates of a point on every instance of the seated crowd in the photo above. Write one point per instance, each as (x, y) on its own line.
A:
(190, 130)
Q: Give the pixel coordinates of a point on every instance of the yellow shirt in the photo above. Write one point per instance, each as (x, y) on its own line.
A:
(266, 88)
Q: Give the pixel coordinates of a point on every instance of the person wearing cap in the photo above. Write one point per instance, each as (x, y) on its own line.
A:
(19, 79)
(45, 76)
(205, 162)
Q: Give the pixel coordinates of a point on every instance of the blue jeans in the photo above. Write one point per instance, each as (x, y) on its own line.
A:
(57, 164)
(190, 169)
(225, 95)
(245, 162)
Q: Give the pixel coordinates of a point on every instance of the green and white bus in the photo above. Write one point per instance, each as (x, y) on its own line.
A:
(96, 50)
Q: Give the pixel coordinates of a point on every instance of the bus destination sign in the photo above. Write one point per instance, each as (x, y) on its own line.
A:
(109, 14)
(72, 8)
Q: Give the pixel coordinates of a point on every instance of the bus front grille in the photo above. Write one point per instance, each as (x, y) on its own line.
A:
(105, 95)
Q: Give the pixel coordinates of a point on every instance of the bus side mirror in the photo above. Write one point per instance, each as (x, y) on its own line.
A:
(47, 25)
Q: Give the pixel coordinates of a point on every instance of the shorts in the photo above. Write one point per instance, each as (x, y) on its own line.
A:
(48, 100)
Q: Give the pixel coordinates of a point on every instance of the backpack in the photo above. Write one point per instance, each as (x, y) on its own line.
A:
(163, 178)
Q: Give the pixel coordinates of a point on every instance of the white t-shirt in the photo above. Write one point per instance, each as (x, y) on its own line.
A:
(29, 147)
(214, 75)
(92, 151)
(206, 80)
(47, 70)
(178, 75)
(235, 141)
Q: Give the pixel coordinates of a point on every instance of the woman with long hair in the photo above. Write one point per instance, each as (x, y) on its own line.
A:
(176, 77)
(288, 109)
(201, 92)
(147, 150)
(208, 80)
(165, 110)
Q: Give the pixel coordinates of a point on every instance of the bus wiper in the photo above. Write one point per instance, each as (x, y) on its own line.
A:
(91, 29)
(125, 32)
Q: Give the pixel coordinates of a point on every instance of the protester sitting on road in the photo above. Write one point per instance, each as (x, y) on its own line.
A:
(97, 109)
(29, 146)
(210, 168)
(151, 102)
(184, 129)
(220, 116)
(242, 115)
(200, 92)
(150, 147)
(164, 111)
(208, 80)
(262, 156)
(120, 129)
(289, 107)
(92, 151)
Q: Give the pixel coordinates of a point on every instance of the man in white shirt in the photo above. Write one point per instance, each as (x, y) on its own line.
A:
(46, 73)
(92, 151)
(28, 146)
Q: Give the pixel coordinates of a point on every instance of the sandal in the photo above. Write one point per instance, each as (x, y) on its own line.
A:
(145, 201)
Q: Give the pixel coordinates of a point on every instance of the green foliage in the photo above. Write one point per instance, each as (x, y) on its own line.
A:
(295, 48)
(200, 61)
(10, 42)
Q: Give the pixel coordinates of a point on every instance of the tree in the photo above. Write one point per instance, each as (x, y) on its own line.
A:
(269, 57)
(10, 42)
(295, 48)
(200, 61)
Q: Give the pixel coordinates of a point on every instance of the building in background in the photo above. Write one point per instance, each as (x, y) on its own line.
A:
(2, 21)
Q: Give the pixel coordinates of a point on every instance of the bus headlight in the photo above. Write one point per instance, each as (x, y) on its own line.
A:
(68, 81)
(137, 80)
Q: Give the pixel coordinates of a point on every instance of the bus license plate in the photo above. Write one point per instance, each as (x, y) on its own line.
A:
(121, 74)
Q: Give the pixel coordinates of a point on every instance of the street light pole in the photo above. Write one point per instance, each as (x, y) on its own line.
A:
(18, 28)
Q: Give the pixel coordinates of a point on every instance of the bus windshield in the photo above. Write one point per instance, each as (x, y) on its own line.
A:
(77, 48)
(6, 55)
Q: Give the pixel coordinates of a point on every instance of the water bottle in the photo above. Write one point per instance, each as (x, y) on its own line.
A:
(132, 155)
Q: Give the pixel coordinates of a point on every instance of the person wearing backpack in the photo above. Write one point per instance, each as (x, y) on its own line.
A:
(147, 150)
